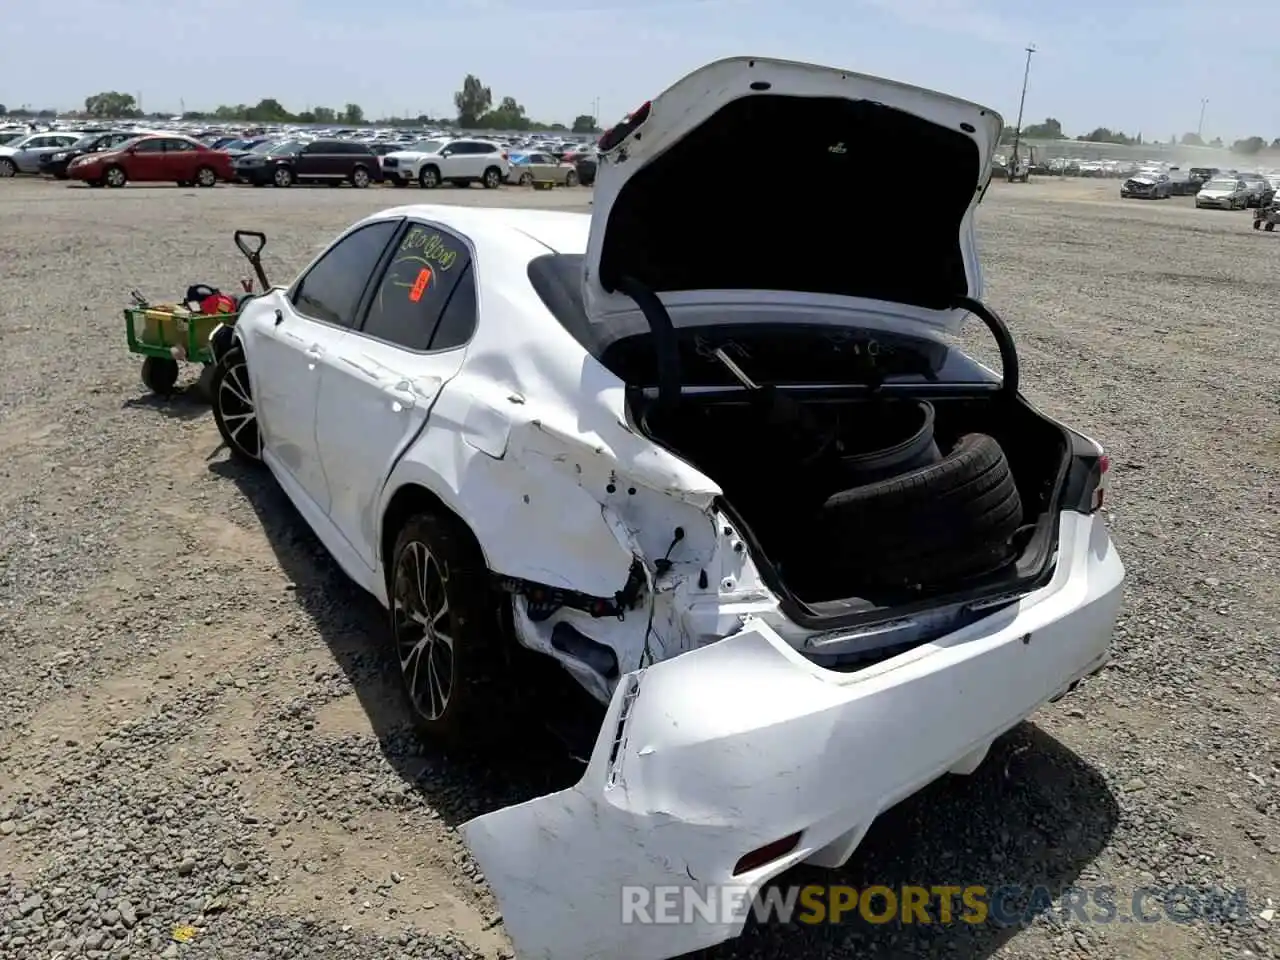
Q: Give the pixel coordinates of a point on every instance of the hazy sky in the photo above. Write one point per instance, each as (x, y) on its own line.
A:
(1136, 65)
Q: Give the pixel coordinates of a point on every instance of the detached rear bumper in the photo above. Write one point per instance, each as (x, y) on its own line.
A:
(729, 748)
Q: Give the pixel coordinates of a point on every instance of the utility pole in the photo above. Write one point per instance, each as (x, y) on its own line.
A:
(1204, 102)
(1026, 73)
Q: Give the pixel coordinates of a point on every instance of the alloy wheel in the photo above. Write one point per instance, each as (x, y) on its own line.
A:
(7, 168)
(115, 177)
(206, 177)
(237, 412)
(360, 178)
(424, 629)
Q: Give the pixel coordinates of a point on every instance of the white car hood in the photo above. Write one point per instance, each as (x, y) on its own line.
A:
(1215, 194)
(687, 252)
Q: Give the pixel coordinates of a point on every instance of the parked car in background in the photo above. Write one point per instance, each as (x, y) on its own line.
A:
(22, 155)
(238, 148)
(1260, 189)
(585, 165)
(321, 161)
(1223, 193)
(1148, 186)
(1202, 175)
(528, 167)
(54, 163)
(430, 163)
(153, 159)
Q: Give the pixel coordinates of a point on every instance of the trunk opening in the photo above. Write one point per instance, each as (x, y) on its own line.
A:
(780, 492)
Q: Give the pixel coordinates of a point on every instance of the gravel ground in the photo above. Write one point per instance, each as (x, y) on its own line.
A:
(200, 730)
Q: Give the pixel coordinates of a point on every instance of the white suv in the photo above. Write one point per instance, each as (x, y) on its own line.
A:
(460, 162)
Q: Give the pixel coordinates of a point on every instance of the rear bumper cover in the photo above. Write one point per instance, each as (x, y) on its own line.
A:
(720, 751)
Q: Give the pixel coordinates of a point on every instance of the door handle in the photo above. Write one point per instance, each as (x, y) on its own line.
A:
(314, 353)
(402, 397)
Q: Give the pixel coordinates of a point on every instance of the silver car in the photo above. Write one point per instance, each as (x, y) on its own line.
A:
(23, 155)
(1223, 193)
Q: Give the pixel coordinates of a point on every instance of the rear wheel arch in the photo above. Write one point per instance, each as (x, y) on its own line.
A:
(411, 499)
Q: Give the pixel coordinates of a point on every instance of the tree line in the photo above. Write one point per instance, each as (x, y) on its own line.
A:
(474, 103)
(1051, 129)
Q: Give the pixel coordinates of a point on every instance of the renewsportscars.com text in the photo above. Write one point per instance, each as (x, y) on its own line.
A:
(1007, 905)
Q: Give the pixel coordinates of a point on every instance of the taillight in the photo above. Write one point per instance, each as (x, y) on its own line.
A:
(505, 155)
(616, 134)
(1102, 473)
(1087, 477)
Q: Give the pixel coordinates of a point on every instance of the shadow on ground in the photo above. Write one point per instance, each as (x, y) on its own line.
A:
(185, 403)
(1032, 816)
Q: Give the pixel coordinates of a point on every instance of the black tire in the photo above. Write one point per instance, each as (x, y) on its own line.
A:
(114, 176)
(526, 179)
(360, 177)
(1270, 227)
(159, 375)
(234, 413)
(8, 168)
(429, 177)
(571, 178)
(436, 550)
(492, 178)
(942, 523)
(1257, 225)
(206, 177)
(282, 177)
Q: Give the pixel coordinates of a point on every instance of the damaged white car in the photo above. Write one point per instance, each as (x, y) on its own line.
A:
(711, 449)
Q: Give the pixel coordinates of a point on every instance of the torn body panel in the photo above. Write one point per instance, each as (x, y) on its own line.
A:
(712, 755)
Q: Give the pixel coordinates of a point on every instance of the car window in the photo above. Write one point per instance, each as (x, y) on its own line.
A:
(428, 265)
(458, 320)
(149, 146)
(178, 146)
(331, 289)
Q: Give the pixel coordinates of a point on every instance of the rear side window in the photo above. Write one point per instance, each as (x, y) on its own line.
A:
(428, 267)
(331, 290)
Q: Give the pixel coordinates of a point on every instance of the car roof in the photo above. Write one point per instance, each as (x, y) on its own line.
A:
(561, 231)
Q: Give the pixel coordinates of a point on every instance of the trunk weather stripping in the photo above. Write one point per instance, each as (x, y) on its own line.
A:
(1010, 374)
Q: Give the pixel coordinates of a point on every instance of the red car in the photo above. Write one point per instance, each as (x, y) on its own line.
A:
(153, 159)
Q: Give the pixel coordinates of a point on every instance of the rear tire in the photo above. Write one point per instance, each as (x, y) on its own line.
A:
(445, 630)
(944, 522)
(360, 178)
(1270, 228)
(492, 178)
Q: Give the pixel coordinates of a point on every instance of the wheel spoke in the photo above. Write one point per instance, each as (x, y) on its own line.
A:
(423, 628)
(236, 387)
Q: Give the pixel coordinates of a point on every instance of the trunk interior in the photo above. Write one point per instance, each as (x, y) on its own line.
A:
(764, 461)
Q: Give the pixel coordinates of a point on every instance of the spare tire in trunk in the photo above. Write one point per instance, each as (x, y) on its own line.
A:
(947, 521)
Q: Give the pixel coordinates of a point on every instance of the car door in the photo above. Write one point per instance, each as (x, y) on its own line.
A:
(145, 161)
(179, 160)
(28, 158)
(287, 356)
(376, 395)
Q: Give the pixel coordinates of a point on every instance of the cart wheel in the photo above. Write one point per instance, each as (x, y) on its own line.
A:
(1257, 224)
(204, 385)
(159, 374)
(1270, 227)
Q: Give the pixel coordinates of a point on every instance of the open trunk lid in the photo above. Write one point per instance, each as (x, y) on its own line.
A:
(700, 200)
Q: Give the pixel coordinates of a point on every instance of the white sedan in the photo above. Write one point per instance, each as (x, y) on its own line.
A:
(714, 458)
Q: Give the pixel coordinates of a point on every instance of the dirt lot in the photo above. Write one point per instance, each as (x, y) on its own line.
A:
(199, 729)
